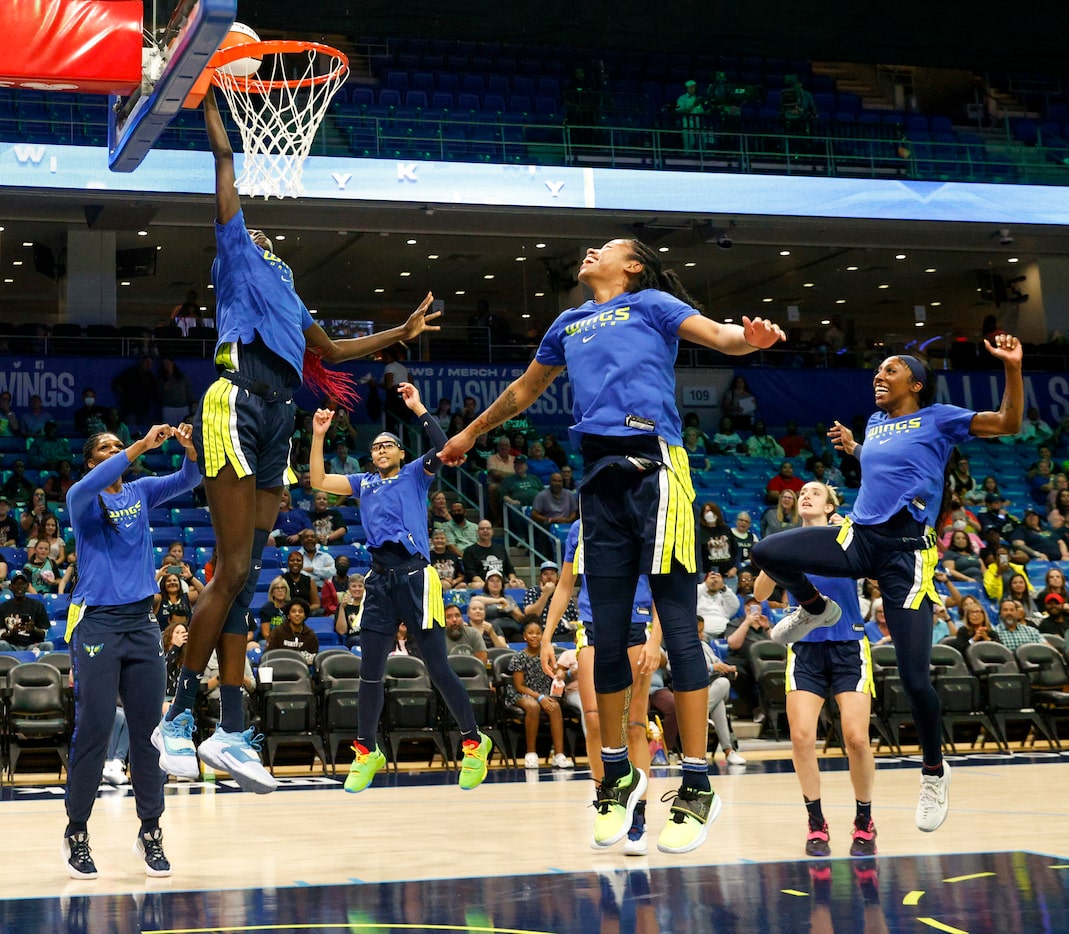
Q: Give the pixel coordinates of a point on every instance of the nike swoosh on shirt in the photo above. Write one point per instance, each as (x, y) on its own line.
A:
(589, 337)
(884, 440)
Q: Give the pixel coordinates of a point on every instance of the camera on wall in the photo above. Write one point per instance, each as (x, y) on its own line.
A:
(724, 241)
(1005, 237)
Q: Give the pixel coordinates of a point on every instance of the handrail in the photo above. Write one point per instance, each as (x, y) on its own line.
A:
(523, 521)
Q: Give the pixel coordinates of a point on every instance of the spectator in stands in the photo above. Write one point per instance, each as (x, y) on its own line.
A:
(461, 639)
(876, 629)
(1041, 482)
(169, 598)
(486, 556)
(49, 532)
(302, 496)
(995, 517)
(341, 429)
(783, 480)
(761, 443)
(554, 451)
(135, 388)
(343, 462)
(114, 424)
(1056, 619)
(567, 476)
(290, 522)
(438, 516)
(943, 625)
(821, 447)
(721, 677)
(23, 620)
(89, 419)
(317, 562)
(397, 413)
(741, 632)
(9, 421)
(32, 518)
(1061, 503)
(536, 599)
(662, 702)
(1021, 590)
(503, 613)
(956, 516)
(350, 611)
(1059, 483)
(404, 644)
(443, 415)
(46, 450)
(792, 442)
(822, 473)
(797, 106)
(744, 588)
(1013, 630)
(492, 637)
(959, 478)
(694, 445)
(520, 487)
(293, 632)
(333, 587)
(975, 627)
(480, 453)
(538, 465)
(719, 549)
(33, 420)
(446, 560)
(1054, 582)
(301, 585)
(460, 533)
(977, 496)
(784, 515)
(727, 440)
(56, 486)
(174, 392)
(531, 689)
(502, 462)
(43, 572)
(9, 525)
(327, 523)
(690, 110)
(960, 559)
(273, 610)
(716, 604)
(1034, 430)
(1037, 542)
(555, 505)
(173, 642)
(20, 491)
(745, 538)
(999, 571)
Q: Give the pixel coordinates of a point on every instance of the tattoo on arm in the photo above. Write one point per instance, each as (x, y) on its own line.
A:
(499, 412)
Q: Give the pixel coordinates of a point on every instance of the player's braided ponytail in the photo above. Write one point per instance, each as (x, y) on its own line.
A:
(655, 276)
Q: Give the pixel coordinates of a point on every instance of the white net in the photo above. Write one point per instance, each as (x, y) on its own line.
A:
(278, 110)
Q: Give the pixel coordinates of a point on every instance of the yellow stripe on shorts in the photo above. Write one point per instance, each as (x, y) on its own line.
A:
(925, 561)
(868, 684)
(675, 522)
(219, 430)
(433, 602)
(75, 612)
(581, 641)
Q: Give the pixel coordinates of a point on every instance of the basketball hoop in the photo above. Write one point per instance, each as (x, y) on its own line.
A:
(278, 108)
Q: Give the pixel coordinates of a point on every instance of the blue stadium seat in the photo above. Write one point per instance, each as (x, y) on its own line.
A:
(190, 517)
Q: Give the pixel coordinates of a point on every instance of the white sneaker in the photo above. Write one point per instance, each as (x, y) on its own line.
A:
(934, 803)
(733, 758)
(561, 761)
(238, 754)
(114, 772)
(530, 761)
(635, 842)
(801, 622)
(173, 740)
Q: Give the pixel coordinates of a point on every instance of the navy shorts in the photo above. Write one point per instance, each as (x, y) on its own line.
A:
(584, 635)
(824, 668)
(636, 508)
(245, 418)
(408, 593)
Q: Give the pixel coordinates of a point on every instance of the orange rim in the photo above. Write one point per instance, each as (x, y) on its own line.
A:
(274, 47)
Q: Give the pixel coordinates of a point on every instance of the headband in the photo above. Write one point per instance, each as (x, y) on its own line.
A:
(387, 435)
(916, 368)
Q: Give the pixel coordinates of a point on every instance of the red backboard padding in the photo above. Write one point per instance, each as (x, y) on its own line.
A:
(72, 45)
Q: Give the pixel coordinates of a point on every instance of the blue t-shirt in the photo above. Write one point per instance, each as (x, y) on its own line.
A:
(641, 607)
(872, 630)
(255, 295)
(394, 509)
(903, 460)
(621, 357)
(851, 625)
(115, 559)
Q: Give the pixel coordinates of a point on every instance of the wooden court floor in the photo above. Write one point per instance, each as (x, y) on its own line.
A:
(417, 853)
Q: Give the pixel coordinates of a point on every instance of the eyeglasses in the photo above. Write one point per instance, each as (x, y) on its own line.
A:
(382, 446)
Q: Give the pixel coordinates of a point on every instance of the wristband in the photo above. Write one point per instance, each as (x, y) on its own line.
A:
(541, 697)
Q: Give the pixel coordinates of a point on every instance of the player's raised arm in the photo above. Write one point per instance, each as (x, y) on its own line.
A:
(227, 202)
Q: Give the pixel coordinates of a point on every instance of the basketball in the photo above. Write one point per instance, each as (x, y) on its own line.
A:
(240, 34)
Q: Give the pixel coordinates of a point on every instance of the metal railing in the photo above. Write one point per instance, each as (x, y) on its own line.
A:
(521, 531)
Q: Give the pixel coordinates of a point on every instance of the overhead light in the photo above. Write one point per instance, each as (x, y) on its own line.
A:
(203, 307)
(689, 265)
(1013, 259)
(729, 321)
(766, 300)
(2, 229)
(27, 243)
(540, 246)
(662, 249)
(840, 301)
(313, 311)
(460, 292)
(900, 256)
(432, 256)
(918, 324)
(142, 233)
(7, 280)
(158, 248)
(1005, 237)
(125, 282)
(411, 242)
(825, 321)
(210, 286)
(851, 268)
(883, 285)
(405, 275)
(930, 269)
(808, 285)
(935, 304)
(540, 294)
(525, 315)
(379, 291)
(489, 275)
(784, 252)
(521, 259)
(280, 236)
(17, 262)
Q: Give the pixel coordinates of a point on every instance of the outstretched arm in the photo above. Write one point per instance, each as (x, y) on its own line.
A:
(518, 396)
(352, 348)
(734, 339)
(321, 480)
(227, 202)
(431, 462)
(1007, 420)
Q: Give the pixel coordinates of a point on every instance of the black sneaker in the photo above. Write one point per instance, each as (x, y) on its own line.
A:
(149, 846)
(864, 840)
(816, 841)
(80, 863)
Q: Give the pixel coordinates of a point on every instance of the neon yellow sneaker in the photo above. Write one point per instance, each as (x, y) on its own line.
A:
(688, 820)
(615, 806)
(365, 766)
(473, 768)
